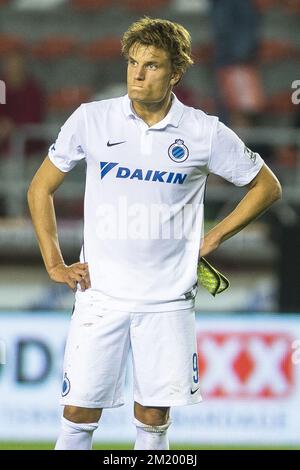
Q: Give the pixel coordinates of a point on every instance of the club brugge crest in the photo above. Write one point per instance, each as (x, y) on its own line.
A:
(65, 386)
(178, 152)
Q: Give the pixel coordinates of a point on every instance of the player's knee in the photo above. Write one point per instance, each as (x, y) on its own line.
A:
(77, 414)
(151, 416)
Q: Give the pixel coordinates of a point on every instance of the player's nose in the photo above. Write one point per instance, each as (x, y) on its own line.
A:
(139, 73)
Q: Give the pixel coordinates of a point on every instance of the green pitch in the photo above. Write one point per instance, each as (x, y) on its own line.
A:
(116, 446)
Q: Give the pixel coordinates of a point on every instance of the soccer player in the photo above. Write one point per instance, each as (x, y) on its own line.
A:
(147, 160)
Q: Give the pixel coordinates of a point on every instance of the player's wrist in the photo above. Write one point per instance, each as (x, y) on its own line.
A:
(54, 267)
(214, 238)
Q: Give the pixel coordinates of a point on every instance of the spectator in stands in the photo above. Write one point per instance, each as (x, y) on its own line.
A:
(24, 102)
(236, 34)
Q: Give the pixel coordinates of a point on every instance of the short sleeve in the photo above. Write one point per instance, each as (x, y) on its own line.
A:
(231, 159)
(70, 145)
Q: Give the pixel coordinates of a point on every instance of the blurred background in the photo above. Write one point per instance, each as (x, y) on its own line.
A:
(56, 54)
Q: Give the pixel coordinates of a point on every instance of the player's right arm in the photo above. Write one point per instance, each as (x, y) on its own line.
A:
(40, 200)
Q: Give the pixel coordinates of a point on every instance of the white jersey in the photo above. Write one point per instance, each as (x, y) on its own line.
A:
(143, 211)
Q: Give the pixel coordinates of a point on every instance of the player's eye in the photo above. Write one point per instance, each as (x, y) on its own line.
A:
(132, 62)
(152, 66)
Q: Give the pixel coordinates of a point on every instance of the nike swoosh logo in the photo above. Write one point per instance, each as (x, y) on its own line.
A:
(194, 391)
(114, 143)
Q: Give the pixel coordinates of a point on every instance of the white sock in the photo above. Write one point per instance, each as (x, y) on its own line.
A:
(74, 436)
(151, 437)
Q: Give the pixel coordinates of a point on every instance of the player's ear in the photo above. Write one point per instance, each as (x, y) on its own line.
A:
(175, 78)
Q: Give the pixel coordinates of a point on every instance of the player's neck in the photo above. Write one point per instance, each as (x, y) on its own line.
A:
(152, 113)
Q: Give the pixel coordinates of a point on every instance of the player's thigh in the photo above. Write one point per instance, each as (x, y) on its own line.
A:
(165, 358)
(95, 357)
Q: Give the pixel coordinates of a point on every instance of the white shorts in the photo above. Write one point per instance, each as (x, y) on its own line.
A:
(164, 355)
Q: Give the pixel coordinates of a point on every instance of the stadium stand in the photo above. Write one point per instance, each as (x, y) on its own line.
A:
(293, 6)
(102, 49)
(11, 42)
(67, 98)
(53, 48)
(73, 48)
(141, 6)
(88, 5)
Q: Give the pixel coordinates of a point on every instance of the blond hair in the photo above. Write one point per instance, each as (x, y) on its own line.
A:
(163, 34)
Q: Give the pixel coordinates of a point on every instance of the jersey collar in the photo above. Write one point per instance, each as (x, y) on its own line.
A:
(171, 119)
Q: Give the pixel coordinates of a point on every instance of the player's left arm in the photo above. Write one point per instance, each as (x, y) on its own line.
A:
(262, 192)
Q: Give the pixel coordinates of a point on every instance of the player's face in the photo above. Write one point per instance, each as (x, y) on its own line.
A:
(149, 74)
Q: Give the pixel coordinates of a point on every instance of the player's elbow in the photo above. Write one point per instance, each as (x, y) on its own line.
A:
(276, 191)
(269, 186)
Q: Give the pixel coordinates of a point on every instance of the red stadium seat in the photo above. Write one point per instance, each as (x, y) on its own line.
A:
(287, 156)
(69, 98)
(10, 43)
(106, 48)
(280, 103)
(187, 95)
(203, 53)
(275, 50)
(54, 47)
(265, 5)
(90, 4)
(208, 104)
(144, 5)
(293, 6)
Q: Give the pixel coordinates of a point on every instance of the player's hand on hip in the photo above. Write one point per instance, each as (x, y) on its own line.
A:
(71, 275)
